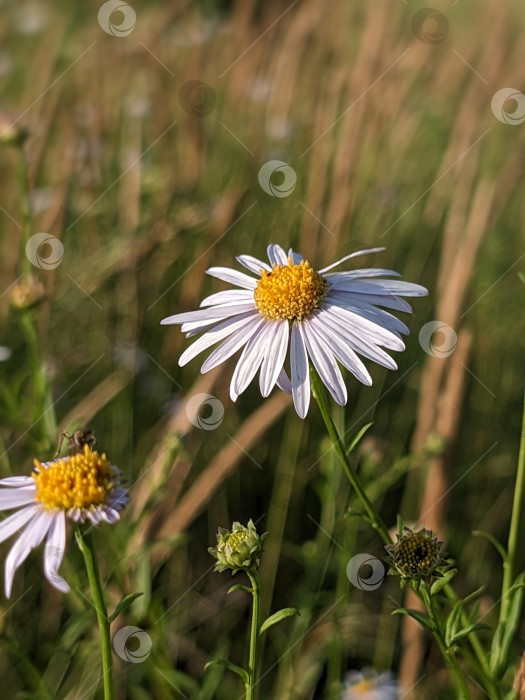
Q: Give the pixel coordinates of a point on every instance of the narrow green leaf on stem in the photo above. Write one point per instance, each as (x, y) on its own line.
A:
(231, 667)
(277, 617)
(373, 517)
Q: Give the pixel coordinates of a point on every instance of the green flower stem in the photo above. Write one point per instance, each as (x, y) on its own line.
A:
(322, 401)
(516, 528)
(41, 386)
(23, 183)
(254, 633)
(448, 654)
(483, 665)
(85, 544)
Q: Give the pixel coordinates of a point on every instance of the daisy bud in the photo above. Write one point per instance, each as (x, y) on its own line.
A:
(415, 555)
(239, 549)
(10, 133)
(27, 292)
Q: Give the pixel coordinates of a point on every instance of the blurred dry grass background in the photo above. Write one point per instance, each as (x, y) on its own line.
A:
(394, 143)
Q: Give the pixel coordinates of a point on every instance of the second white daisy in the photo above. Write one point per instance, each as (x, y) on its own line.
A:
(291, 309)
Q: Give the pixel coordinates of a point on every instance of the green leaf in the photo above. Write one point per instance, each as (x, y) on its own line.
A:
(231, 667)
(440, 583)
(277, 617)
(506, 630)
(358, 437)
(240, 587)
(421, 617)
(124, 605)
(465, 632)
(453, 621)
(500, 548)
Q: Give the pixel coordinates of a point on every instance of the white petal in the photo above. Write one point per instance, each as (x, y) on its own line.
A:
(274, 359)
(217, 312)
(335, 277)
(296, 257)
(299, 372)
(250, 360)
(345, 338)
(349, 257)
(389, 301)
(372, 313)
(230, 296)
(341, 348)
(29, 538)
(14, 498)
(54, 552)
(284, 383)
(17, 481)
(233, 343)
(17, 520)
(226, 274)
(276, 255)
(213, 336)
(380, 287)
(325, 364)
(253, 264)
(362, 326)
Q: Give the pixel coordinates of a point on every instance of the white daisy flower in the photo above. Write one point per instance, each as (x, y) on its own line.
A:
(370, 685)
(288, 308)
(82, 487)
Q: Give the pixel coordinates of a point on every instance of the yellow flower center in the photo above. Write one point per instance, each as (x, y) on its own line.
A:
(416, 554)
(78, 481)
(236, 539)
(289, 292)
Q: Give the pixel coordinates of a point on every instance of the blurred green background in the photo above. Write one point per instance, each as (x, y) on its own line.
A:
(147, 180)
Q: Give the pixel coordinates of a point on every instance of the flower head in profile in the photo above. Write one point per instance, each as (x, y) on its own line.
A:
(368, 684)
(286, 309)
(82, 487)
(239, 550)
(416, 555)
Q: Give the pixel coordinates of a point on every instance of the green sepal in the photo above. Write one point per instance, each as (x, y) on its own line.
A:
(277, 617)
(231, 667)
